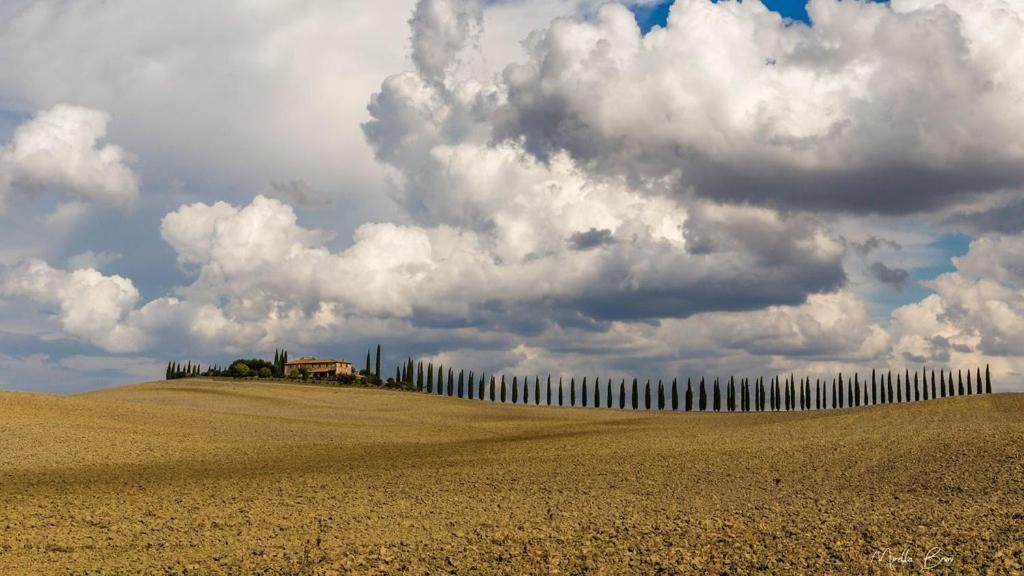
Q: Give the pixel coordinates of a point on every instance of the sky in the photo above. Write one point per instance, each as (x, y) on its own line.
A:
(571, 187)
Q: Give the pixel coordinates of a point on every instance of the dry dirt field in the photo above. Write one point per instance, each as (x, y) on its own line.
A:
(200, 477)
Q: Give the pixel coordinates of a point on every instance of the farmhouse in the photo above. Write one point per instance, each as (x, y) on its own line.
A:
(318, 367)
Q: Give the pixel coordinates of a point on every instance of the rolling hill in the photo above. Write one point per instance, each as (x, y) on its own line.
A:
(204, 477)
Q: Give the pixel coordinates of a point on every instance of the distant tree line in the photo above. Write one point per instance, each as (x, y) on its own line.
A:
(780, 394)
(785, 393)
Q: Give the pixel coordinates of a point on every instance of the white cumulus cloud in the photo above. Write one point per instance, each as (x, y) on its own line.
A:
(60, 148)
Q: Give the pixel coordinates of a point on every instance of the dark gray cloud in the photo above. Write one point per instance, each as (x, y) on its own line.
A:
(873, 243)
(592, 238)
(897, 278)
(297, 192)
(1005, 217)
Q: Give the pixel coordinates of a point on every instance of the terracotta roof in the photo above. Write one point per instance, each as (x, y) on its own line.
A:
(316, 361)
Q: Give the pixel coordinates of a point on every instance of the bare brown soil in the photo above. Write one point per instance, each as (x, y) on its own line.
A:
(201, 477)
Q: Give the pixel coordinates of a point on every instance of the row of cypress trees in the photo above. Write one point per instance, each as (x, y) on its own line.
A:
(280, 360)
(750, 396)
(177, 370)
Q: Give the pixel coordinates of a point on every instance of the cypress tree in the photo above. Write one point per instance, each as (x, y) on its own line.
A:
(933, 385)
(549, 390)
(583, 389)
(451, 381)
(888, 395)
(703, 400)
(988, 380)
(647, 395)
(717, 399)
(559, 390)
(833, 393)
(492, 388)
(430, 378)
(367, 371)
(440, 379)
(960, 383)
(942, 383)
(376, 370)
(167, 373)
(597, 392)
(689, 396)
(636, 399)
(899, 389)
(675, 396)
(758, 394)
(764, 398)
(906, 382)
(622, 394)
(609, 395)
(743, 394)
(732, 394)
(515, 389)
(419, 376)
(841, 394)
(917, 388)
(874, 388)
(483, 378)
(817, 393)
(536, 391)
(661, 396)
(969, 382)
(471, 385)
(526, 389)
(501, 391)
(462, 378)
(572, 392)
